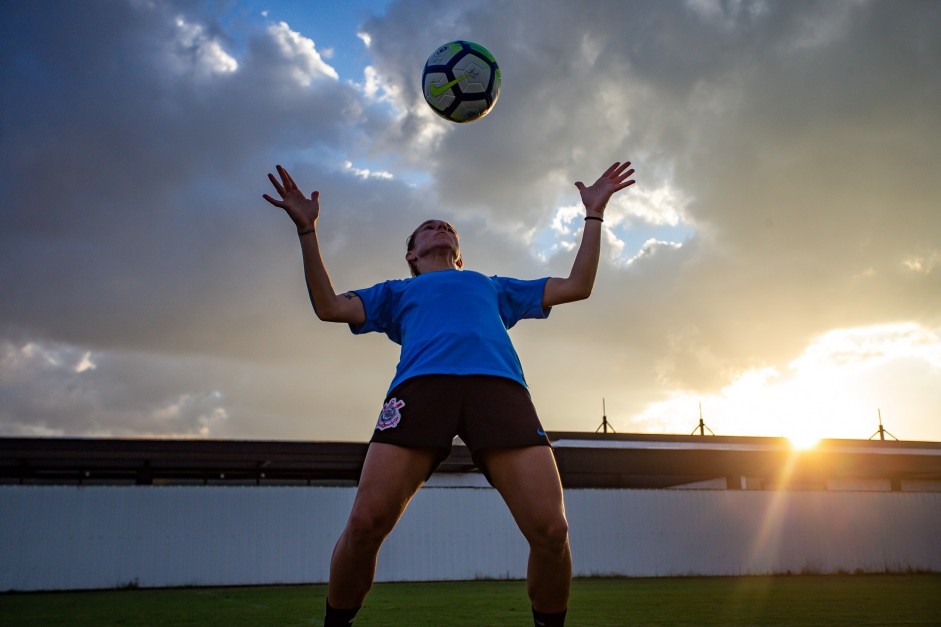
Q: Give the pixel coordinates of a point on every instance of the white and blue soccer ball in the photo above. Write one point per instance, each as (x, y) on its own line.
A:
(461, 81)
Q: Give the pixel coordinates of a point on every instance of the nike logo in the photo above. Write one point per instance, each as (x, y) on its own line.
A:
(540, 433)
(437, 91)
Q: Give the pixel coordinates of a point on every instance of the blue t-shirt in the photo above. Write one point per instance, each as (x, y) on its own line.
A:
(452, 322)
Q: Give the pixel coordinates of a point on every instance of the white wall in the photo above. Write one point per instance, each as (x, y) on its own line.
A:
(61, 537)
(731, 532)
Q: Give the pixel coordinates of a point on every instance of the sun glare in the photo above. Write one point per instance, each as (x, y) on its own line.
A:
(833, 390)
(803, 441)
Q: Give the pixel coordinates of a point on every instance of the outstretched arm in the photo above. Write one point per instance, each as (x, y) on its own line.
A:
(578, 285)
(304, 212)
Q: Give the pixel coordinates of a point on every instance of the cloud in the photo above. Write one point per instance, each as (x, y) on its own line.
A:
(923, 262)
(838, 387)
(194, 49)
(366, 173)
(307, 64)
(56, 389)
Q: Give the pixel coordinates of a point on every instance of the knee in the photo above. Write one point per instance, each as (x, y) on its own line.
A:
(367, 528)
(550, 534)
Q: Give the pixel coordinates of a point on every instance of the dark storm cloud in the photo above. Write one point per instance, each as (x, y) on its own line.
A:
(125, 162)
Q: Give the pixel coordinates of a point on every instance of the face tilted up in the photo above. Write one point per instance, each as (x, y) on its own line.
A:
(432, 237)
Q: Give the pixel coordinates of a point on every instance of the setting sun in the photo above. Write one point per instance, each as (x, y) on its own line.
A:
(803, 442)
(834, 389)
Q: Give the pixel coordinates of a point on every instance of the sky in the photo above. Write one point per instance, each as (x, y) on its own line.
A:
(776, 267)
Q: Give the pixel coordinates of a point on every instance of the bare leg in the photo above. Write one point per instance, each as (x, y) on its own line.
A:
(528, 480)
(391, 476)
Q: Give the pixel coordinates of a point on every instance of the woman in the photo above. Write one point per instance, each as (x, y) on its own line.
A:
(458, 375)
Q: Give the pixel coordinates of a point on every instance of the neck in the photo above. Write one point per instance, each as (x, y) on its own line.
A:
(436, 261)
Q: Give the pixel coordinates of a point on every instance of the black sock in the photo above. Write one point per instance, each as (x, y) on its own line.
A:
(549, 620)
(339, 618)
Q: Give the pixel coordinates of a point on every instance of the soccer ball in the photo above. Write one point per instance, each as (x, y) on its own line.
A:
(461, 81)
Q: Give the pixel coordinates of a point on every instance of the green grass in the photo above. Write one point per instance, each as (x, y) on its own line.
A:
(786, 600)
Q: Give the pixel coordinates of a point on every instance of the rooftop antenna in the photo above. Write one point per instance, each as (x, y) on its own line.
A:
(881, 431)
(701, 427)
(605, 425)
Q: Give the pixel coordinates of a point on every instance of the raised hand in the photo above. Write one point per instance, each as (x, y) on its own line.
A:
(614, 179)
(303, 211)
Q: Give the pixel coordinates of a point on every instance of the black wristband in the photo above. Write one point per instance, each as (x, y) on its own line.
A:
(587, 218)
(303, 233)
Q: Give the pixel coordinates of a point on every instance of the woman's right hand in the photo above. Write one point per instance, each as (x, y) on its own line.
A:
(303, 211)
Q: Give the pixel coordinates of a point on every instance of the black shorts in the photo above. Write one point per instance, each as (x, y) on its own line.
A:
(486, 412)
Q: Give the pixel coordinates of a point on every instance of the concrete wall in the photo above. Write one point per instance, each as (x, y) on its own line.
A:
(62, 537)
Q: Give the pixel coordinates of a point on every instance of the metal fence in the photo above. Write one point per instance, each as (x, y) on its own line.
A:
(68, 537)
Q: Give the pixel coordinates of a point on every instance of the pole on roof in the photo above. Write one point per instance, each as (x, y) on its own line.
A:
(605, 425)
(701, 427)
(882, 431)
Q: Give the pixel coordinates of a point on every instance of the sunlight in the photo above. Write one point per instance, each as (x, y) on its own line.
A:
(767, 542)
(803, 441)
(832, 390)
